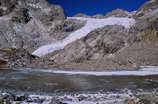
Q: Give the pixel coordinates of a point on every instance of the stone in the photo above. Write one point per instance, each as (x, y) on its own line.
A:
(28, 24)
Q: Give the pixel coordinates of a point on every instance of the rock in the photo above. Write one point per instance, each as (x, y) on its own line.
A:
(98, 16)
(131, 101)
(63, 30)
(118, 13)
(81, 15)
(3, 63)
(148, 99)
(21, 16)
(146, 8)
(6, 6)
(55, 101)
(21, 58)
(21, 97)
(28, 24)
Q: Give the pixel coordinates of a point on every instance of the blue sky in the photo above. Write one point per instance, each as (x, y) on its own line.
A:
(91, 7)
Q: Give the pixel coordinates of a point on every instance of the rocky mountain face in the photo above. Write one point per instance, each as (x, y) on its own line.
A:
(148, 7)
(115, 46)
(30, 24)
(96, 45)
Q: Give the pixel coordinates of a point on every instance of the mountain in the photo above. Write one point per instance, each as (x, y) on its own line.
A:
(118, 40)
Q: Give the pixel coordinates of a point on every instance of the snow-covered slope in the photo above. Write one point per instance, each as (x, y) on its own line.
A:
(91, 25)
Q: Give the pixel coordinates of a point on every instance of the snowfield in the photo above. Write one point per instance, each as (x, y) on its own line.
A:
(91, 24)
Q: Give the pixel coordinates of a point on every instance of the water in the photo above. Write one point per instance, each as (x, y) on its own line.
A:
(44, 82)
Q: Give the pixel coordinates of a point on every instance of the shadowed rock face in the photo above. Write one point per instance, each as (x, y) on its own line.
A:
(62, 30)
(6, 6)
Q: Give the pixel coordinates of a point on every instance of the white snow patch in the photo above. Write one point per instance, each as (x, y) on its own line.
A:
(115, 73)
(5, 18)
(91, 25)
(149, 68)
(143, 71)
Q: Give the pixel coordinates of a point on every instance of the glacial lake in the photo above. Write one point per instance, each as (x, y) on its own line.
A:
(58, 83)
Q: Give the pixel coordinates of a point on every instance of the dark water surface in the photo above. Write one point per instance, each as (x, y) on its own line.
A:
(43, 82)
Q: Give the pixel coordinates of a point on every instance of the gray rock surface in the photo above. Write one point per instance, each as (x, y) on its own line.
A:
(118, 13)
(146, 8)
(10, 57)
(28, 23)
(62, 30)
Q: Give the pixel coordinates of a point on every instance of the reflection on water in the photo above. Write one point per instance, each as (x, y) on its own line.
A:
(49, 82)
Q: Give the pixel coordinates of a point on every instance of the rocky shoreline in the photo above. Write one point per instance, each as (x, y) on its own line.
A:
(108, 98)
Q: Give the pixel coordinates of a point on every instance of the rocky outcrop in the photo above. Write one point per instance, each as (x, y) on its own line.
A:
(10, 57)
(118, 13)
(81, 15)
(62, 30)
(28, 23)
(98, 16)
(148, 7)
(6, 6)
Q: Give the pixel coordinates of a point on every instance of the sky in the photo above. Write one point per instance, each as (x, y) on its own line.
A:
(92, 7)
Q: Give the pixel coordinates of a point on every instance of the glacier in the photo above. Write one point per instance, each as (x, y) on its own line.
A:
(91, 24)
